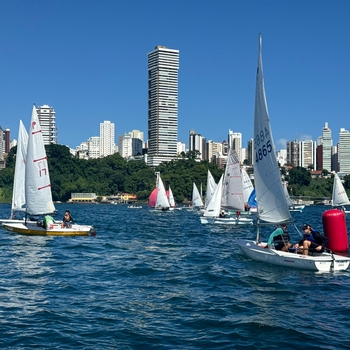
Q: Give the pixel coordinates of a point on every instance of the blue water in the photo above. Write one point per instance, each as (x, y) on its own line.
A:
(162, 281)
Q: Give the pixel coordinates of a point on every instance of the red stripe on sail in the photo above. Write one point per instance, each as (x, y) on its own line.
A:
(40, 159)
(41, 188)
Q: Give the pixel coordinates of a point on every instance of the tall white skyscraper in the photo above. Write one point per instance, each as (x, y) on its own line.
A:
(327, 147)
(344, 151)
(46, 115)
(235, 142)
(163, 67)
(93, 147)
(307, 154)
(197, 143)
(107, 144)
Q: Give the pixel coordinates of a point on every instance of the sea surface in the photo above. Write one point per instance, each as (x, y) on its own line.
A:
(162, 281)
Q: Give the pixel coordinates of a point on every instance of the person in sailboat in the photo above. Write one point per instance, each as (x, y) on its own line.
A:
(48, 222)
(312, 241)
(279, 238)
(67, 220)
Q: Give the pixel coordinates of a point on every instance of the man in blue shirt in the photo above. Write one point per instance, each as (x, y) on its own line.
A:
(312, 240)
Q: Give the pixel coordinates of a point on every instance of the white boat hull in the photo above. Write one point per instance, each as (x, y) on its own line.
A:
(324, 262)
(297, 207)
(226, 221)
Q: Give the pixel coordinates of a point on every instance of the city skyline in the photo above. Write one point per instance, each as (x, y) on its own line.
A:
(95, 66)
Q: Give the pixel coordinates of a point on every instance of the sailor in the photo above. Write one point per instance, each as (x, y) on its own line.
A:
(280, 238)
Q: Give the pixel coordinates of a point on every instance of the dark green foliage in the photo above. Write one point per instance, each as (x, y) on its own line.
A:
(113, 174)
(299, 176)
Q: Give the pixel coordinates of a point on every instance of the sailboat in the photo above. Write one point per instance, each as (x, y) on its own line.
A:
(18, 194)
(292, 207)
(339, 195)
(272, 202)
(211, 186)
(197, 201)
(247, 186)
(158, 198)
(229, 196)
(38, 197)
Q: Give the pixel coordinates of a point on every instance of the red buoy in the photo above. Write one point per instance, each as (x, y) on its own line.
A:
(334, 227)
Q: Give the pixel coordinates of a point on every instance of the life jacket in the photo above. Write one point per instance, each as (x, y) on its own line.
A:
(309, 237)
(283, 238)
(48, 222)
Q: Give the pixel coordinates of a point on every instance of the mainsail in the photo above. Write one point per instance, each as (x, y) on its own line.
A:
(272, 202)
(37, 178)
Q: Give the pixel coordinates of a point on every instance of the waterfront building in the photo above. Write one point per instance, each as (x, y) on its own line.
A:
(93, 144)
(181, 148)
(282, 157)
(214, 150)
(163, 67)
(47, 120)
(307, 154)
(197, 143)
(129, 146)
(2, 145)
(327, 147)
(292, 152)
(344, 151)
(235, 142)
(107, 141)
(250, 152)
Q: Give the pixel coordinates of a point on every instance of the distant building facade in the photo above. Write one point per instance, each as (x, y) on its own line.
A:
(107, 141)
(197, 143)
(344, 151)
(163, 67)
(327, 147)
(47, 120)
(307, 154)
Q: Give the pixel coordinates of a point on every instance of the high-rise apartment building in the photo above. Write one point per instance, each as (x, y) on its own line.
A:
(214, 149)
(46, 115)
(197, 143)
(327, 147)
(235, 142)
(293, 152)
(107, 144)
(163, 67)
(93, 147)
(307, 154)
(344, 151)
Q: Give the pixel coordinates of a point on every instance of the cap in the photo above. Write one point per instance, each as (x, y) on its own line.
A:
(305, 226)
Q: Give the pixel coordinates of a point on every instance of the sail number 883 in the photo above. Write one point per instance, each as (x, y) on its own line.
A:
(262, 145)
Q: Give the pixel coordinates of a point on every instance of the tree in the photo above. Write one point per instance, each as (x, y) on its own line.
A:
(299, 176)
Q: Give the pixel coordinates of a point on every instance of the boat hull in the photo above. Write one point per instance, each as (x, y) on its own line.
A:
(323, 262)
(33, 229)
(226, 221)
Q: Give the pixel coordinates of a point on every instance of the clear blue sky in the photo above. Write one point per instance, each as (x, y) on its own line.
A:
(88, 60)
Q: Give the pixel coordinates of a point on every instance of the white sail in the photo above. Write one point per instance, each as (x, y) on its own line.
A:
(232, 192)
(339, 196)
(18, 195)
(272, 203)
(171, 198)
(196, 197)
(289, 200)
(162, 199)
(247, 186)
(211, 186)
(37, 178)
(214, 206)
